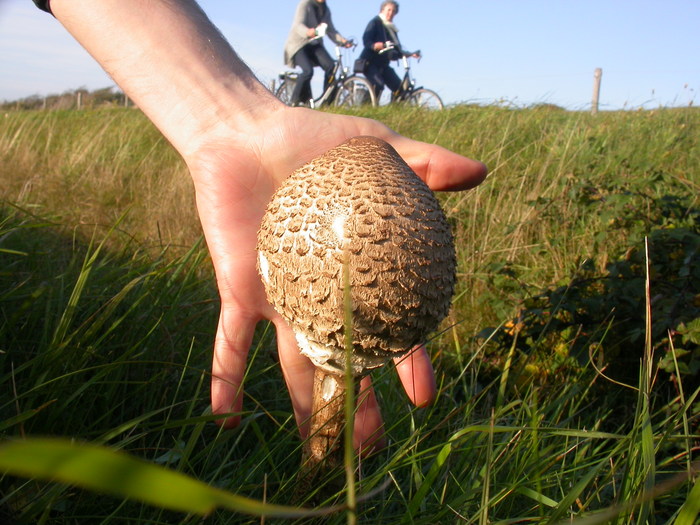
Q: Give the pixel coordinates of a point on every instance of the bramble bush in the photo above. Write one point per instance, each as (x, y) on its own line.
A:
(599, 313)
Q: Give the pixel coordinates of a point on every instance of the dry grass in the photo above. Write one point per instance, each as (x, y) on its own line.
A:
(88, 169)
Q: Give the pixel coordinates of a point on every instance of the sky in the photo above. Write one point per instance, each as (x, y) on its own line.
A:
(513, 52)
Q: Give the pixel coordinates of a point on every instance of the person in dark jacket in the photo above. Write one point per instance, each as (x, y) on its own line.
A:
(304, 46)
(381, 46)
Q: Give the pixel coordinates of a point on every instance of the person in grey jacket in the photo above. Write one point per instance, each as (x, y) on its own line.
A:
(304, 47)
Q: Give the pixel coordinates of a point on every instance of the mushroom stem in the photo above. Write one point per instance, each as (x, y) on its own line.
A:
(324, 447)
(322, 453)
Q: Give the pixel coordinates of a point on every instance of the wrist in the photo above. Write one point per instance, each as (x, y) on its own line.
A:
(228, 122)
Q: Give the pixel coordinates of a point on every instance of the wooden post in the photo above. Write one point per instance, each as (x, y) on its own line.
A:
(597, 74)
(79, 100)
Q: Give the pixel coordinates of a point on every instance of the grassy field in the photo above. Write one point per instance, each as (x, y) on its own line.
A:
(568, 371)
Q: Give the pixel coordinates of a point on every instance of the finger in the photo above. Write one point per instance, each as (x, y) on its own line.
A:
(368, 434)
(298, 373)
(441, 169)
(416, 373)
(233, 339)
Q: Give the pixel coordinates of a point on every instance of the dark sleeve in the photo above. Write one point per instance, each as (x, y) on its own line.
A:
(372, 33)
(43, 5)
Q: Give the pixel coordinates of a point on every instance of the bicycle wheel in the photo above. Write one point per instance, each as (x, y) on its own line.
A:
(355, 91)
(284, 91)
(425, 98)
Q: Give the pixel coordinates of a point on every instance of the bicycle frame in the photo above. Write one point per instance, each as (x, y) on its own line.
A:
(408, 92)
(408, 84)
(339, 75)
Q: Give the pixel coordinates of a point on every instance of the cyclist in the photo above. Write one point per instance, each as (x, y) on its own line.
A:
(304, 46)
(381, 46)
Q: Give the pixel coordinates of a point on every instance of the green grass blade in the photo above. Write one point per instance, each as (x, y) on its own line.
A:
(427, 482)
(104, 470)
(24, 416)
(536, 496)
(690, 510)
(569, 500)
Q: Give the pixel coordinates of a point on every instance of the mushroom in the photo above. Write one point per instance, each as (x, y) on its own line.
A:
(355, 223)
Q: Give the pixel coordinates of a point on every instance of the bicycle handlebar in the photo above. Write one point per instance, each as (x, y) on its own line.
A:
(389, 46)
(349, 41)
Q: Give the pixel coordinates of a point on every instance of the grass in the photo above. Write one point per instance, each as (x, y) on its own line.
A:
(108, 310)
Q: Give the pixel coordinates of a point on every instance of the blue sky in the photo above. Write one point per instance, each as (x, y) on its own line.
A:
(520, 52)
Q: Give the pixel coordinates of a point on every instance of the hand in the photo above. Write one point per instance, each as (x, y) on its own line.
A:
(240, 143)
(234, 181)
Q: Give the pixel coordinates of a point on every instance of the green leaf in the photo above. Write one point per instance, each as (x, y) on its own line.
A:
(108, 471)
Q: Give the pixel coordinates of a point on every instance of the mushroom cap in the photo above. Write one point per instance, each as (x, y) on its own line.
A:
(358, 205)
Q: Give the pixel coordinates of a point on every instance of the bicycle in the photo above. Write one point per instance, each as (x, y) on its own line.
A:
(343, 90)
(408, 93)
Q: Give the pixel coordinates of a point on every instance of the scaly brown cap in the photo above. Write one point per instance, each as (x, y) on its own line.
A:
(360, 203)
